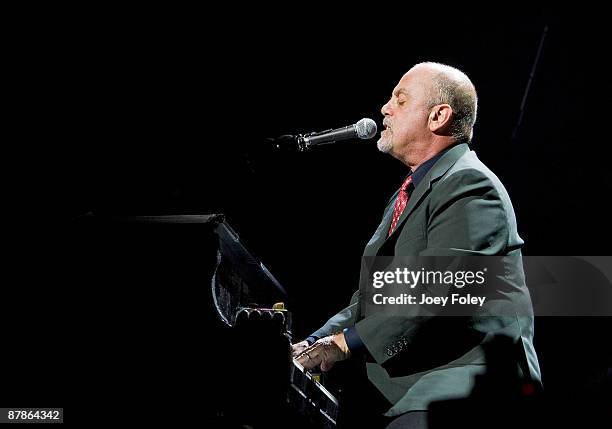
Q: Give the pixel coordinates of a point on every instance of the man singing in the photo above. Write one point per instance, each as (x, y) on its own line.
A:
(450, 204)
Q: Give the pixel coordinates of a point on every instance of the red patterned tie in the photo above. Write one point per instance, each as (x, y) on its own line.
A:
(400, 204)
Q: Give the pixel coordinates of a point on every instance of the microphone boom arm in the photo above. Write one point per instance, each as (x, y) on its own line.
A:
(363, 129)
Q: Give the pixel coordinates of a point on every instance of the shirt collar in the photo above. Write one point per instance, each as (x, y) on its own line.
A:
(421, 171)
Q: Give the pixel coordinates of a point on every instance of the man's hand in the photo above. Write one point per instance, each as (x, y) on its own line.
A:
(297, 349)
(325, 352)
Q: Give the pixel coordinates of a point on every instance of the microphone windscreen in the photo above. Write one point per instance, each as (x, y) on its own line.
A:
(366, 128)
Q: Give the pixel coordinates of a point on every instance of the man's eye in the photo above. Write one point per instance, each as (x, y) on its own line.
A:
(401, 101)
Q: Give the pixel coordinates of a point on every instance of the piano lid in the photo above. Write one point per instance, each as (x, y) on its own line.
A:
(239, 279)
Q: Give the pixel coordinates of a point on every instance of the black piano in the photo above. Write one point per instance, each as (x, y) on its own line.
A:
(179, 322)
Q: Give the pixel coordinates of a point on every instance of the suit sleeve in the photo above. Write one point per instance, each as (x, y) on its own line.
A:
(344, 319)
(466, 217)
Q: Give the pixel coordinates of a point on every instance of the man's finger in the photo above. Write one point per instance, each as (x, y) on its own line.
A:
(298, 348)
(327, 365)
(303, 358)
(310, 358)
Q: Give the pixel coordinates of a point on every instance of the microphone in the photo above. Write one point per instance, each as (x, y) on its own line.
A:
(363, 129)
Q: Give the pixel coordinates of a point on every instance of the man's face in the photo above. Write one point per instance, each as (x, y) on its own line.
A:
(406, 114)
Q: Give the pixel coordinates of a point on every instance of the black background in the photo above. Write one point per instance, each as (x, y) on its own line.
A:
(168, 118)
(153, 111)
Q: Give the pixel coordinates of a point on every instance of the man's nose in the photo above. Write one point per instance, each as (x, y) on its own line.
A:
(385, 109)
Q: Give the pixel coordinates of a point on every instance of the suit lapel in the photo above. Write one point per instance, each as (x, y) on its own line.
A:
(439, 169)
(380, 235)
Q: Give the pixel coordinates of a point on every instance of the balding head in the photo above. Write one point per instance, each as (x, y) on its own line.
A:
(432, 107)
(448, 85)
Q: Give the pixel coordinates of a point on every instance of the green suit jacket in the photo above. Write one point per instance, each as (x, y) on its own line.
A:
(459, 208)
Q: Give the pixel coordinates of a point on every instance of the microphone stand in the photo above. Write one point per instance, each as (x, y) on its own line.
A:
(298, 141)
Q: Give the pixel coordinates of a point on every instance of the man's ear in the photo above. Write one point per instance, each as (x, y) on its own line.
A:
(440, 118)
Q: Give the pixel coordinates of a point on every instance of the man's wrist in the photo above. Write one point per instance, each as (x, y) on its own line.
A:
(311, 340)
(341, 343)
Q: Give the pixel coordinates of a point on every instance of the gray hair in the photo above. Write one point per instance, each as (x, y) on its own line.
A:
(451, 86)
